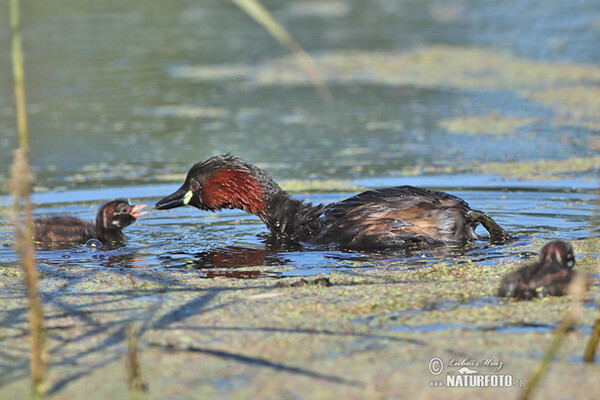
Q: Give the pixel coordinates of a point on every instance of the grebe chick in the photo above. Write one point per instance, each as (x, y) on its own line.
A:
(549, 276)
(110, 220)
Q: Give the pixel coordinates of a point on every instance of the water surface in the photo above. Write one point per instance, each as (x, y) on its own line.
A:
(219, 243)
(120, 105)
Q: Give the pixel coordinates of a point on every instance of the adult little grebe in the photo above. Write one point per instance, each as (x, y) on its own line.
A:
(392, 217)
(111, 219)
(550, 276)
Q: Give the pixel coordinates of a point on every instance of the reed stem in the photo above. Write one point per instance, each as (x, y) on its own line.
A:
(557, 339)
(262, 16)
(18, 74)
(132, 362)
(590, 350)
(577, 289)
(20, 186)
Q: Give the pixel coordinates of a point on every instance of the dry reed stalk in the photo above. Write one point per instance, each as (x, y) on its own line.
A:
(589, 354)
(590, 350)
(132, 363)
(20, 186)
(262, 16)
(18, 74)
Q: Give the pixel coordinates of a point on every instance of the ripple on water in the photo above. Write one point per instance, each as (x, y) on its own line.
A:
(233, 240)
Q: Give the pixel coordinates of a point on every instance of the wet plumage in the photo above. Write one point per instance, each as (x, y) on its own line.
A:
(110, 220)
(549, 276)
(392, 217)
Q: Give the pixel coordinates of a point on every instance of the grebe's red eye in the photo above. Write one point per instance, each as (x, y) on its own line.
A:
(194, 185)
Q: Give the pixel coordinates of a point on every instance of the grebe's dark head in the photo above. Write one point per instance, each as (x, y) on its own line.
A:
(220, 182)
(560, 252)
(118, 214)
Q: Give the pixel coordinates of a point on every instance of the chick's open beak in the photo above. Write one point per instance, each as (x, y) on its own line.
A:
(134, 211)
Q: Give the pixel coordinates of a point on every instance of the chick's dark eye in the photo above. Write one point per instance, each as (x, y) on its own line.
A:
(194, 186)
(122, 209)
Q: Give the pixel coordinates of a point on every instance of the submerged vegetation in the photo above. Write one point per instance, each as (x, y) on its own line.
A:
(367, 331)
(492, 123)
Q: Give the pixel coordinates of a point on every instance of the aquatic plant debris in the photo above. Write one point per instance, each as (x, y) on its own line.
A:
(368, 335)
(491, 123)
(566, 88)
(541, 169)
(562, 101)
(433, 66)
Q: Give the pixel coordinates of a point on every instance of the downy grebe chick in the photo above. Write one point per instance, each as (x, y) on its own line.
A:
(110, 220)
(550, 276)
(382, 218)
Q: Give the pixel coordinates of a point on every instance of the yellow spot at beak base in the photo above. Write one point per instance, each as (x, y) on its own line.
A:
(187, 197)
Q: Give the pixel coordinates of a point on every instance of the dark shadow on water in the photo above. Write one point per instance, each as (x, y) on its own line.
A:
(512, 327)
(95, 329)
(105, 337)
(262, 362)
(97, 337)
(516, 327)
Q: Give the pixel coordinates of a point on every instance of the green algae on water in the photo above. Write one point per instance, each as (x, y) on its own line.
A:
(491, 123)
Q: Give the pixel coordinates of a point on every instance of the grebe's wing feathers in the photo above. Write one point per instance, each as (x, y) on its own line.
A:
(397, 216)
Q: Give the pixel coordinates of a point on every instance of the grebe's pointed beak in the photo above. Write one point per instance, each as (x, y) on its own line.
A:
(180, 198)
(135, 211)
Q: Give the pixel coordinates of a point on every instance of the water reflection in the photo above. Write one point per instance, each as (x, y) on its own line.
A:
(227, 262)
(91, 256)
(236, 257)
